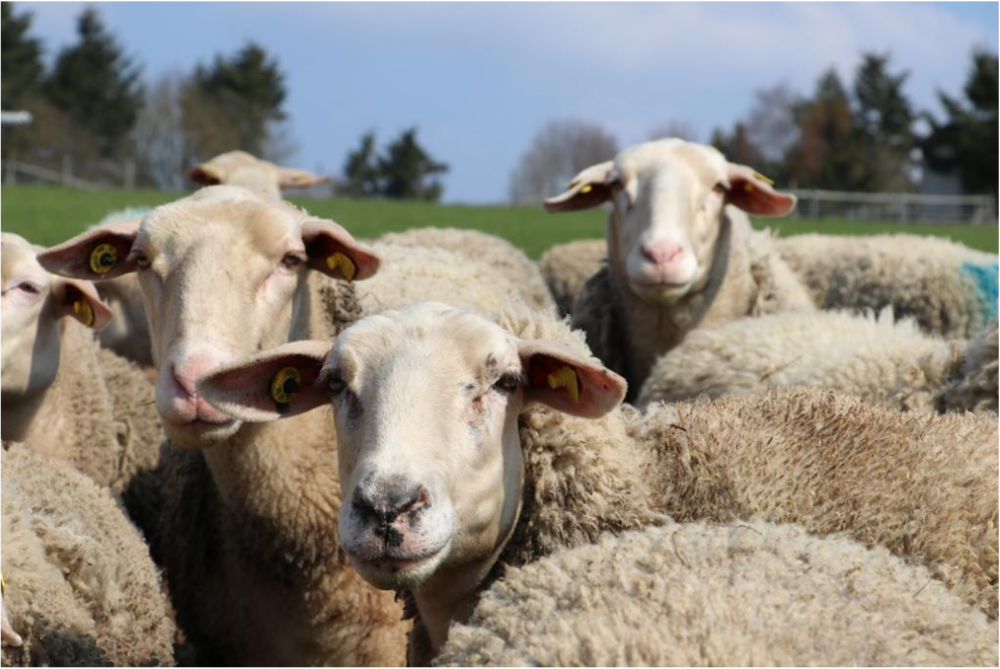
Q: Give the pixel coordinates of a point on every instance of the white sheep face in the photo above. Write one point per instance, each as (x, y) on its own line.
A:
(223, 274)
(668, 200)
(33, 301)
(426, 403)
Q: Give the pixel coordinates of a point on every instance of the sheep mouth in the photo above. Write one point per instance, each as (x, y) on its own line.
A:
(390, 570)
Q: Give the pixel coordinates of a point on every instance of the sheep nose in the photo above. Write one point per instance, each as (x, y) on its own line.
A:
(384, 503)
(661, 253)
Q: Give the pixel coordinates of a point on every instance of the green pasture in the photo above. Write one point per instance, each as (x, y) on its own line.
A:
(50, 215)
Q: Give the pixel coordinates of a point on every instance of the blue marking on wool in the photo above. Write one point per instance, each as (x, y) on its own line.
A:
(984, 277)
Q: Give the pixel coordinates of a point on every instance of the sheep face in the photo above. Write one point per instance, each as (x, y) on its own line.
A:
(667, 201)
(426, 403)
(33, 302)
(223, 274)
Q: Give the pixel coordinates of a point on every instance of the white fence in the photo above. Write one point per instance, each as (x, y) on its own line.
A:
(902, 207)
(17, 171)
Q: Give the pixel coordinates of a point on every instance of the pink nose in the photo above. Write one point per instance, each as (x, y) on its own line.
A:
(181, 402)
(661, 253)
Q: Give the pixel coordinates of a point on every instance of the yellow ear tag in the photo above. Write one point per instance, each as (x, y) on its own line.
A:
(340, 261)
(103, 258)
(285, 384)
(83, 308)
(566, 378)
(586, 189)
(748, 186)
(769, 182)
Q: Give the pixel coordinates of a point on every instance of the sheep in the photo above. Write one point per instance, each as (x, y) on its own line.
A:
(681, 252)
(566, 267)
(888, 363)
(950, 289)
(62, 393)
(127, 334)
(247, 525)
(701, 594)
(440, 508)
(239, 168)
(79, 585)
(510, 263)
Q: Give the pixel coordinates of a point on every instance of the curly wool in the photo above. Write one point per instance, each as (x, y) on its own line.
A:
(566, 267)
(885, 362)
(508, 262)
(922, 485)
(81, 587)
(747, 594)
(936, 281)
(974, 386)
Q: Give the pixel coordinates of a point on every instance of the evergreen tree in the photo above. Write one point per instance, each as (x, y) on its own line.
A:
(406, 168)
(21, 60)
(884, 119)
(361, 170)
(245, 94)
(967, 139)
(96, 85)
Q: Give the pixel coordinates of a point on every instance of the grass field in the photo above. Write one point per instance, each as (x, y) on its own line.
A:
(50, 215)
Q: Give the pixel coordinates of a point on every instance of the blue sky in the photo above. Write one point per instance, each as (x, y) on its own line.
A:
(479, 79)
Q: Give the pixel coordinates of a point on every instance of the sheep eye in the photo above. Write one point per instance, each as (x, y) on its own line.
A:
(335, 385)
(720, 188)
(507, 383)
(29, 288)
(291, 260)
(141, 259)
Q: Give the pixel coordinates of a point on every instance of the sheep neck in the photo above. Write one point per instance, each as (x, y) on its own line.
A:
(653, 328)
(282, 476)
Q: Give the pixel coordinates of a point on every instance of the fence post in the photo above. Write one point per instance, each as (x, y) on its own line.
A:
(129, 174)
(67, 169)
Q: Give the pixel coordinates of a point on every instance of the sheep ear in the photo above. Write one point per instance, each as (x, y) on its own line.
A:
(588, 189)
(95, 255)
(752, 192)
(566, 381)
(274, 384)
(333, 251)
(205, 175)
(79, 299)
(292, 178)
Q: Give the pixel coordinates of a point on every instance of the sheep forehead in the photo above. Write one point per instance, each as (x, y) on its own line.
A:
(458, 346)
(654, 160)
(244, 225)
(19, 256)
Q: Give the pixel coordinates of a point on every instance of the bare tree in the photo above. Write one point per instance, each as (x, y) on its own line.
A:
(674, 128)
(558, 151)
(770, 124)
(159, 135)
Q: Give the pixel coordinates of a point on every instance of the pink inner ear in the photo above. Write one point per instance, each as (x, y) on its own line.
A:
(202, 176)
(323, 239)
(249, 386)
(600, 390)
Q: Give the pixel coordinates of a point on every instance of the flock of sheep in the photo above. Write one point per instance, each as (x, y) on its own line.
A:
(235, 434)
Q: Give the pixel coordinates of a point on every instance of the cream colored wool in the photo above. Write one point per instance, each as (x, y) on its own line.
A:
(566, 267)
(509, 263)
(882, 361)
(81, 589)
(917, 276)
(699, 594)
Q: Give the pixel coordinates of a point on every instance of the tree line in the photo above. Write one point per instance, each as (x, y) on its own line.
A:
(862, 136)
(92, 107)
